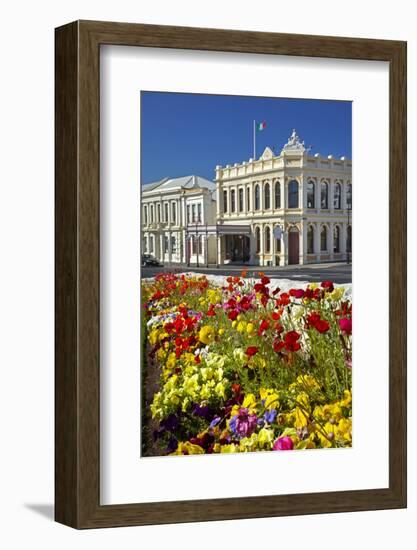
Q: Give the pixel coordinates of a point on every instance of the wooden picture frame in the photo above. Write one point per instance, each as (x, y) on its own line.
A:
(77, 382)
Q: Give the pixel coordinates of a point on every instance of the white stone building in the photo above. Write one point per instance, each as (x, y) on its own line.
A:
(175, 213)
(297, 207)
(290, 208)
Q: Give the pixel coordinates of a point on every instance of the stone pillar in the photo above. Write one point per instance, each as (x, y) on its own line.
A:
(330, 240)
(317, 195)
(169, 246)
(219, 200)
(343, 239)
(284, 247)
(303, 242)
(252, 246)
(317, 241)
(261, 248)
(219, 250)
(284, 198)
(161, 247)
(273, 246)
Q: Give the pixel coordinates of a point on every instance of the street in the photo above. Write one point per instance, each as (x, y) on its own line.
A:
(340, 273)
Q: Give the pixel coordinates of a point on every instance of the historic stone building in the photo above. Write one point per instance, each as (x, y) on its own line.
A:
(290, 208)
(297, 206)
(175, 213)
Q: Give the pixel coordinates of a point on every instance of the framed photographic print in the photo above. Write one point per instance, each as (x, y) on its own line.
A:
(222, 199)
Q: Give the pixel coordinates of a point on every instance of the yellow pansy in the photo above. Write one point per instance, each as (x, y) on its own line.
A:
(250, 327)
(206, 334)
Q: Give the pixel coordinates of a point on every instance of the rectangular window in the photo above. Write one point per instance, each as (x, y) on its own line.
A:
(166, 244)
(188, 214)
(174, 213)
(193, 210)
(224, 201)
(199, 212)
(166, 213)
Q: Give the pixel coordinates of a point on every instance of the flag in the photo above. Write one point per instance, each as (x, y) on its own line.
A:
(261, 126)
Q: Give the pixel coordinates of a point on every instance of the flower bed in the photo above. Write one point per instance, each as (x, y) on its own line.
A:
(246, 368)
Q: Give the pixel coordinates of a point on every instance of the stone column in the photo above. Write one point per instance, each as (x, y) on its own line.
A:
(219, 200)
(330, 240)
(284, 198)
(317, 241)
(343, 239)
(219, 250)
(303, 242)
(284, 247)
(169, 246)
(252, 246)
(161, 247)
(261, 248)
(317, 195)
(273, 246)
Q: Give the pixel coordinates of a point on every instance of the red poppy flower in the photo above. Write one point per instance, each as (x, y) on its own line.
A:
(296, 293)
(251, 351)
(236, 388)
(291, 341)
(283, 300)
(276, 316)
(211, 312)
(322, 326)
(327, 285)
(312, 319)
(345, 325)
(278, 345)
(265, 280)
(233, 314)
(263, 327)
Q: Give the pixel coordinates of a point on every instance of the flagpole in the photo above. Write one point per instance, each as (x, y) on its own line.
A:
(254, 140)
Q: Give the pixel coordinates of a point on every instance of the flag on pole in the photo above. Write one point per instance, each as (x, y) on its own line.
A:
(257, 127)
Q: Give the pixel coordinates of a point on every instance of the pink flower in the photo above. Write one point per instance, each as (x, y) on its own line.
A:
(283, 444)
(345, 325)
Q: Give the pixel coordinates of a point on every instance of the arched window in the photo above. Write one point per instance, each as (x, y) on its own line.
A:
(323, 239)
(174, 213)
(257, 201)
(248, 198)
(277, 244)
(311, 195)
(258, 240)
(310, 240)
(166, 212)
(336, 239)
(232, 200)
(224, 201)
(324, 203)
(240, 200)
(145, 215)
(152, 218)
(349, 196)
(337, 196)
(277, 194)
(293, 194)
(267, 239)
(267, 196)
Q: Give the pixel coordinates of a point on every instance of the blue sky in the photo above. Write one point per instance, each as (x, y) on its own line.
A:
(183, 134)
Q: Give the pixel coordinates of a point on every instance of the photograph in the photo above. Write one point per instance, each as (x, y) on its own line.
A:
(246, 274)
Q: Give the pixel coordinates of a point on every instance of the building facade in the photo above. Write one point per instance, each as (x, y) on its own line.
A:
(298, 207)
(175, 213)
(290, 208)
